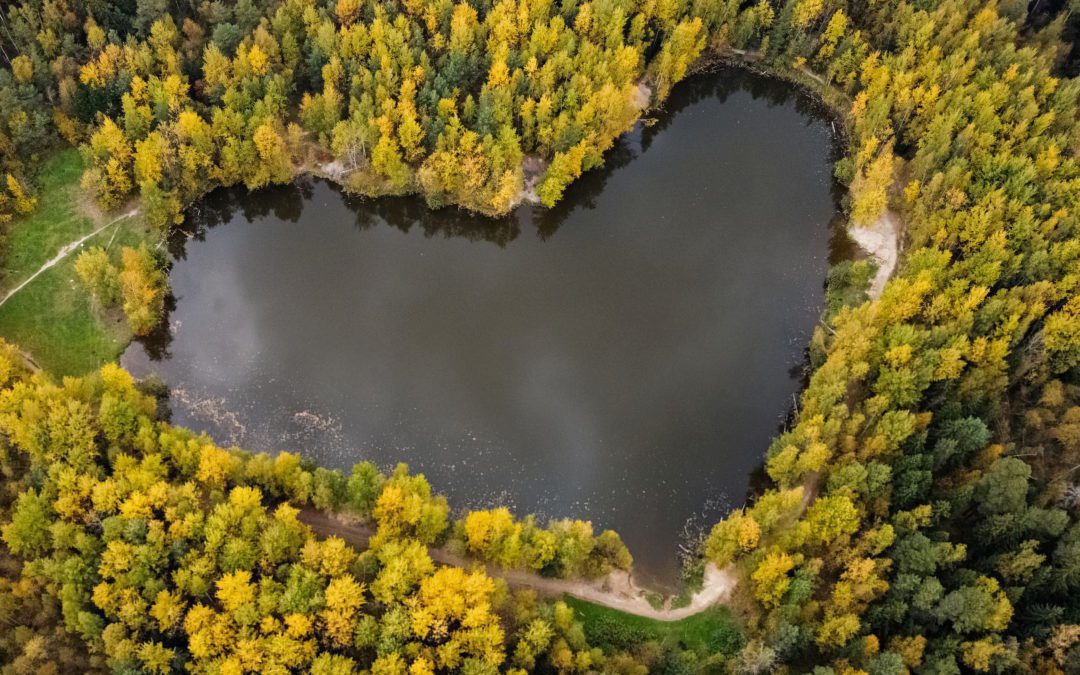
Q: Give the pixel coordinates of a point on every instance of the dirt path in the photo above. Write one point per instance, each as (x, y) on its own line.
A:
(64, 252)
(881, 240)
(617, 590)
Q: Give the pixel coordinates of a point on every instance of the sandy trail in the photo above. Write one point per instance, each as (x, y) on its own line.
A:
(64, 252)
(881, 240)
(617, 590)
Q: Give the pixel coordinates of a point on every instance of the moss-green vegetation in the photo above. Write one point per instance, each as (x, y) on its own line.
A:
(53, 318)
(51, 315)
(31, 240)
(846, 285)
(710, 632)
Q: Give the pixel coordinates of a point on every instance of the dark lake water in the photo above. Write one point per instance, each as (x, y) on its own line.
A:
(623, 358)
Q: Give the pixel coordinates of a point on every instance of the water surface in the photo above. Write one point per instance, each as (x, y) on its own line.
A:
(624, 358)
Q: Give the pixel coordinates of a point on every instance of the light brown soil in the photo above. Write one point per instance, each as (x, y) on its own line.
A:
(881, 241)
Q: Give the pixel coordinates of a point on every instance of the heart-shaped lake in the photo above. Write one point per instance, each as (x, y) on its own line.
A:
(624, 358)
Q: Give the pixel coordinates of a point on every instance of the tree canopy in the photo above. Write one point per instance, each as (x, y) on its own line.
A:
(923, 509)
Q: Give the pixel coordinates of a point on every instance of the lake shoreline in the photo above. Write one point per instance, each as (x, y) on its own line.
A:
(710, 162)
(309, 171)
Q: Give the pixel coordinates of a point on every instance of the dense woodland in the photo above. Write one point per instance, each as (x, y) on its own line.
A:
(924, 510)
(938, 435)
(159, 550)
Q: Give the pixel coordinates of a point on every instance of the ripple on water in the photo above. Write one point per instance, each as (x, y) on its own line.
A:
(625, 357)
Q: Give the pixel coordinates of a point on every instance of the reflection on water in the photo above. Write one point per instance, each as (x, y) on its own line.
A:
(624, 357)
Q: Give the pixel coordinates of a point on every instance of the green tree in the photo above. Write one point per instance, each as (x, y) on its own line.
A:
(143, 286)
(99, 275)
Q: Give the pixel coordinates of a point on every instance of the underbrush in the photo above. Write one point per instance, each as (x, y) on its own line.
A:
(713, 631)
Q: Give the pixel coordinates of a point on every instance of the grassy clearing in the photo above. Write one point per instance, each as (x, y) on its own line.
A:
(58, 220)
(53, 317)
(712, 631)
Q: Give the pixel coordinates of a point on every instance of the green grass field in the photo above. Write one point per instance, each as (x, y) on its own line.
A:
(53, 318)
(712, 631)
(56, 221)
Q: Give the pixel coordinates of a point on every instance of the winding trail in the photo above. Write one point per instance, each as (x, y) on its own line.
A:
(617, 590)
(64, 252)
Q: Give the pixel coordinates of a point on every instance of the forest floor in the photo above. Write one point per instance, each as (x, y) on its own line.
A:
(45, 309)
(714, 631)
(615, 591)
(881, 241)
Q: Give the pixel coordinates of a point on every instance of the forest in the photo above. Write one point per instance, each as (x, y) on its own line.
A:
(923, 507)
